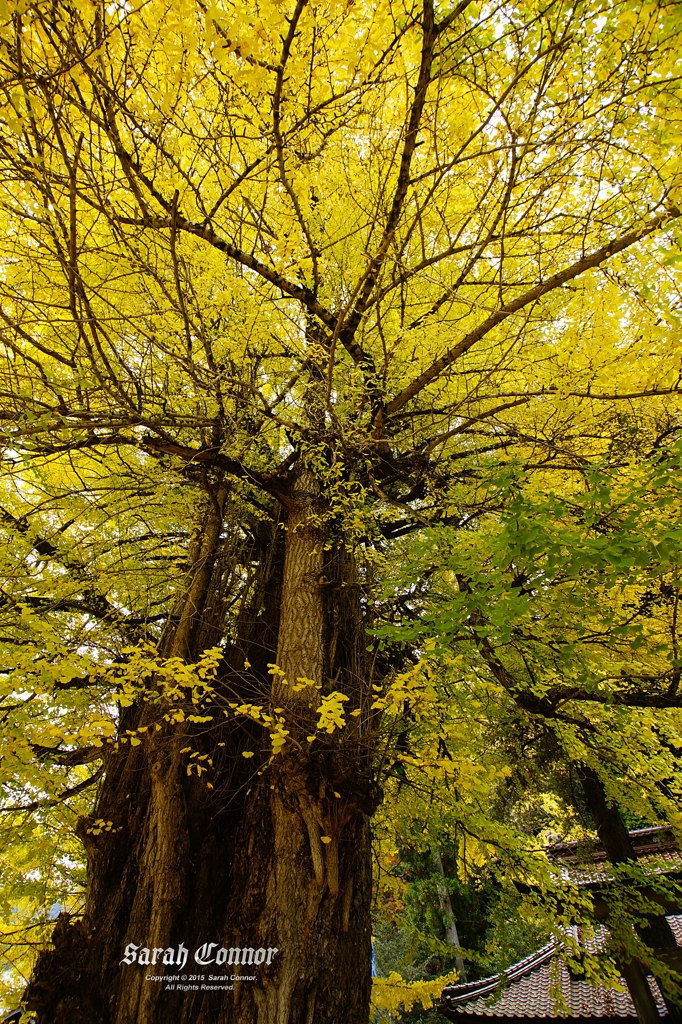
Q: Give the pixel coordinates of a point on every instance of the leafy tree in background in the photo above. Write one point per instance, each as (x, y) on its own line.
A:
(563, 612)
(284, 289)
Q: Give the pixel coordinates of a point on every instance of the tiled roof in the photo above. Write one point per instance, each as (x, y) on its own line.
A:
(585, 862)
(525, 990)
(675, 922)
(644, 840)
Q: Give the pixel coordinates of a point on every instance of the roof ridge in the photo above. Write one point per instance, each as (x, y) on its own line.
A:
(572, 844)
(513, 973)
(513, 984)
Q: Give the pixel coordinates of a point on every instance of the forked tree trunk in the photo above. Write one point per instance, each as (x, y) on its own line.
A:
(275, 857)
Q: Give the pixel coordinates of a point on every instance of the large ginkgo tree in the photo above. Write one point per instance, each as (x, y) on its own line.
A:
(280, 284)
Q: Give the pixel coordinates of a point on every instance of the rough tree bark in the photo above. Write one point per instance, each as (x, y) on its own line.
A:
(312, 898)
(244, 864)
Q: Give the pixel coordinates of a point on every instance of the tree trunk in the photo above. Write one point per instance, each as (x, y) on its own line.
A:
(451, 934)
(306, 837)
(274, 860)
(656, 931)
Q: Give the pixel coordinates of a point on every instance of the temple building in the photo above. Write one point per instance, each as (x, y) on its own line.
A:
(529, 989)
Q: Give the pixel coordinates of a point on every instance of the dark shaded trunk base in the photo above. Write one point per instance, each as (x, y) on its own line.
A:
(248, 876)
(274, 856)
